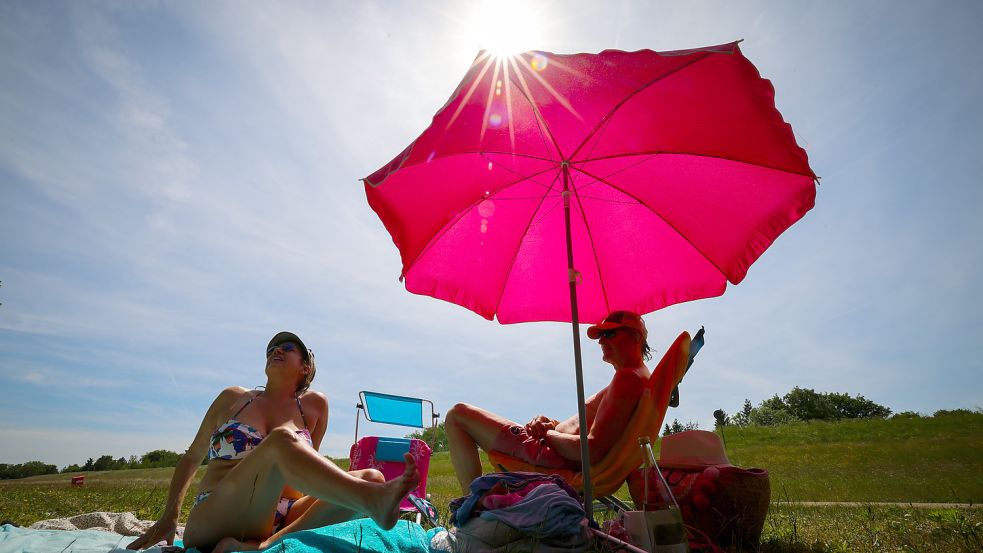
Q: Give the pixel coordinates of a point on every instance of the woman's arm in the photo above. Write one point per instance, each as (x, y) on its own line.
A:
(318, 407)
(608, 412)
(185, 470)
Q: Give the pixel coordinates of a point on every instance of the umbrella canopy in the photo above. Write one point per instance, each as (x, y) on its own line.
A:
(641, 179)
(681, 173)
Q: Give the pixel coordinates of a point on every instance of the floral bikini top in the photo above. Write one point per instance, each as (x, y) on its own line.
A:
(234, 439)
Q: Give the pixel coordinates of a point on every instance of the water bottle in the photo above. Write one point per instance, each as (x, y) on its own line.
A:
(662, 513)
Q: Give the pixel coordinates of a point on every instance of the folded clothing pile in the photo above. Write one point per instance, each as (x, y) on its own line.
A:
(519, 511)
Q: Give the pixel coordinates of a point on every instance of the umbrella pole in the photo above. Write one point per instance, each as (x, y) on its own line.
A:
(575, 324)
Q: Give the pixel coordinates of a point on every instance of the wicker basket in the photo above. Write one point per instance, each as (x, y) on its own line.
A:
(728, 504)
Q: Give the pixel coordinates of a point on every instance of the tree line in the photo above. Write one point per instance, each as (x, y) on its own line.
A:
(803, 404)
(157, 458)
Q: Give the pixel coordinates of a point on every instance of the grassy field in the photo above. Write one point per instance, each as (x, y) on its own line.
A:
(931, 460)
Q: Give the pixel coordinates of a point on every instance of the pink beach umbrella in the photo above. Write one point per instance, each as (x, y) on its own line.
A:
(561, 187)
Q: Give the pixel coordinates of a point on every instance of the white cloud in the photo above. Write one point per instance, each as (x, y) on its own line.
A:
(177, 195)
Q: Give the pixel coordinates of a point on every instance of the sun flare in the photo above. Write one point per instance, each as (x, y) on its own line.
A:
(507, 27)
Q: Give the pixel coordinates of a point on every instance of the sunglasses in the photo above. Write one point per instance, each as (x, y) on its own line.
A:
(608, 333)
(286, 346)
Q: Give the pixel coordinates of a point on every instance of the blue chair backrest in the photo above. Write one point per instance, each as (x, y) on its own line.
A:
(396, 410)
(390, 409)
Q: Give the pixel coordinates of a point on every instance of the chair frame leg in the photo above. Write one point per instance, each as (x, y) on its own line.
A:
(611, 503)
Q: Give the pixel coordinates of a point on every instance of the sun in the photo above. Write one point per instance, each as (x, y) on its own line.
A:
(506, 27)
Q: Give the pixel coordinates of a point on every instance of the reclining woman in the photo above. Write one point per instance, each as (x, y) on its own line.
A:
(262, 459)
(548, 442)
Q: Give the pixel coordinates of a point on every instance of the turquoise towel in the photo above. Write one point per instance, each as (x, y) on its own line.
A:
(357, 536)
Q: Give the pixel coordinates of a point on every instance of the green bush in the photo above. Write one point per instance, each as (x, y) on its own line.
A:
(436, 439)
(808, 405)
(30, 468)
(770, 416)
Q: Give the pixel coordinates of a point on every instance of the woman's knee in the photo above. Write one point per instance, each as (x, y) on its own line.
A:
(457, 413)
(282, 436)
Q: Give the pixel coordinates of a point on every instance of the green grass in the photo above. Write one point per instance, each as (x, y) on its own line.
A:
(929, 460)
(794, 528)
(937, 459)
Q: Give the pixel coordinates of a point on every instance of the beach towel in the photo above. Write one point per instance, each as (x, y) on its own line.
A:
(124, 524)
(18, 540)
(361, 535)
(354, 536)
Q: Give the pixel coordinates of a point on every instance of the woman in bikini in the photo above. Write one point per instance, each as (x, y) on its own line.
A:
(262, 460)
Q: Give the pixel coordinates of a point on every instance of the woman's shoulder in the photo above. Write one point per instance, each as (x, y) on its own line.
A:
(234, 391)
(231, 395)
(314, 400)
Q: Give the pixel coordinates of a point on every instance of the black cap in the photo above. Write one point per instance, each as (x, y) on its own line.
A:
(284, 337)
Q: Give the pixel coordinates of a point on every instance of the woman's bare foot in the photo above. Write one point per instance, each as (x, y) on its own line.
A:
(385, 508)
(225, 545)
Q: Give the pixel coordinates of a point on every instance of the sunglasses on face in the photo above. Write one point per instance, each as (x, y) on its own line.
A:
(608, 333)
(286, 346)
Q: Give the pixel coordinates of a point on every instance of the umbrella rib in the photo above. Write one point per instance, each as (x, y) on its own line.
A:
(621, 170)
(654, 153)
(518, 73)
(479, 152)
(663, 219)
(508, 273)
(527, 94)
(460, 215)
(632, 95)
(593, 250)
(514, 172)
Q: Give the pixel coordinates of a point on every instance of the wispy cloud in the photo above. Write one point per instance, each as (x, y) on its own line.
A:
(180, 182)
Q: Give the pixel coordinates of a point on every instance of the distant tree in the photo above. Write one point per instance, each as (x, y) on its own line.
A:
(159, 458)
(436, 442)
(88, 464)
(951, 412)
(720, 418)
(859, 407)
(30, 468)
(105, 462)
(743, 418)
(806, 404)
(678, 427)
(72, 468)
(774, 402)
(769, 416)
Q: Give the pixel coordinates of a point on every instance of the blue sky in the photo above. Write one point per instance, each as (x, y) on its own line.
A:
(179, 180)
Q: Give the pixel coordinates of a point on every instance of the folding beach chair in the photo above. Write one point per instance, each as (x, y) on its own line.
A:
(386, 454)
(609, 473)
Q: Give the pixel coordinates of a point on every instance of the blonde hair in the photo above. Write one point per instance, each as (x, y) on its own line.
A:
(309, 377)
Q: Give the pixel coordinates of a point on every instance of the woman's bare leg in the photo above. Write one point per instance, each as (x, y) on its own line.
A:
(467, 428)
(315, 513)
(307, 513)
(242, 506)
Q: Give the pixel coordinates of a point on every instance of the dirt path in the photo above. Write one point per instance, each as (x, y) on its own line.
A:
(879, 504)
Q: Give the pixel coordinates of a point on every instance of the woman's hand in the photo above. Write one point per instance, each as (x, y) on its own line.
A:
(163, 529)
(540, 425)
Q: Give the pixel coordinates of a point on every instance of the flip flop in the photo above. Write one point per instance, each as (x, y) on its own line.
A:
(425, 508)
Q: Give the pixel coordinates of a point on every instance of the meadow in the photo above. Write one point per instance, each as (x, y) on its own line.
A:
(884, 465)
